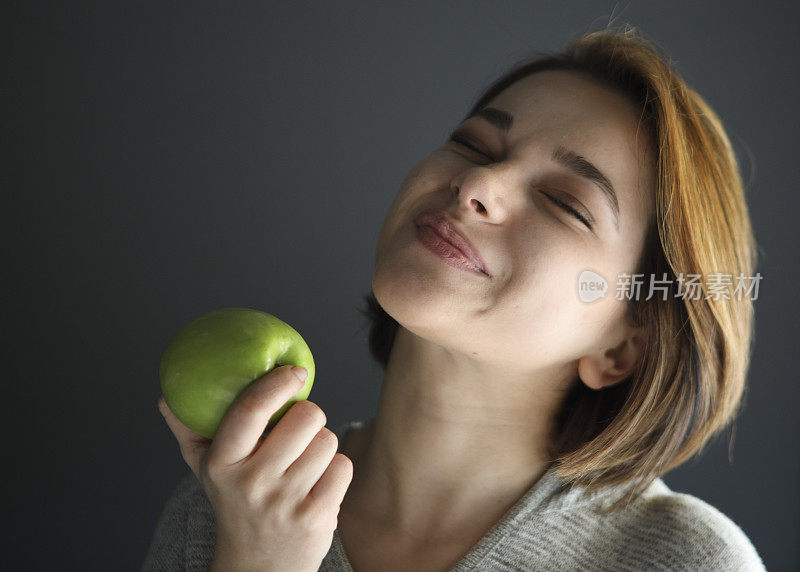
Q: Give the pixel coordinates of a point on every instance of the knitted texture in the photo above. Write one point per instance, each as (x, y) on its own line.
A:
(551, 527)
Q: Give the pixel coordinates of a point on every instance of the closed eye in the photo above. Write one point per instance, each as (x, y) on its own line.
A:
(459, 140)
(456, 138)
(569, 209)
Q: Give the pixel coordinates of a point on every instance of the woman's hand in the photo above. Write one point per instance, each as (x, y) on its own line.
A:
(276, 499)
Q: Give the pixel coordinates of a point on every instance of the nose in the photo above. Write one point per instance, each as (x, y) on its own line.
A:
(472, 202)
(481, 190)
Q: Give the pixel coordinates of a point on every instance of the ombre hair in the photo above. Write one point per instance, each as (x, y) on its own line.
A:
(690, 383)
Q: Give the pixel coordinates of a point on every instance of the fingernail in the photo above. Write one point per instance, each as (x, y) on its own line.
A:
(300, 372)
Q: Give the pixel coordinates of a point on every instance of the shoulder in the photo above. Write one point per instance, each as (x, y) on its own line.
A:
(189, 500)
(697, 534)
(190, 491)
(190, 495)
(185, 533)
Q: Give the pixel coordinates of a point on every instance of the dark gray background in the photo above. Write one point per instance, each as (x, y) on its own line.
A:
(166, 160)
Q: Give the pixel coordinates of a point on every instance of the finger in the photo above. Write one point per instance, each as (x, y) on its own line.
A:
(244, 423)
(307, 469)
(193, 445)
(331, 487)
(290, 437)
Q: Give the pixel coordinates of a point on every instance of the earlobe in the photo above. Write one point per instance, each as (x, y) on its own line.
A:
(604, 369)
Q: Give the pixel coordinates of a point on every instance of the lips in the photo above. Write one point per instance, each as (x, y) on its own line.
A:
(445, 227)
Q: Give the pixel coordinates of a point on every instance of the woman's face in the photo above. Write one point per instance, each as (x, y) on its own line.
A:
(527, 315)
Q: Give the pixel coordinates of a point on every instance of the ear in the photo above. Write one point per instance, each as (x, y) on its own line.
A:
(607, 367)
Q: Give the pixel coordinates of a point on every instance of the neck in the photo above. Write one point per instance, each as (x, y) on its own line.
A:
(458, 438)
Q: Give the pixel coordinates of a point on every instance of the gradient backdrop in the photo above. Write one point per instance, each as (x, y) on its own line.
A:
(164, 160)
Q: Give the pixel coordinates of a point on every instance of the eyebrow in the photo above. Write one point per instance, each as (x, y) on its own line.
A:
(577, 164)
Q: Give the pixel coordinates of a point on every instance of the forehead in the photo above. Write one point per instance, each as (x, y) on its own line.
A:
(558, 107)
(572, 103)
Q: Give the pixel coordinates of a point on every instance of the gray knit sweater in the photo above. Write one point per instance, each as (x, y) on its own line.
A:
(552, 527)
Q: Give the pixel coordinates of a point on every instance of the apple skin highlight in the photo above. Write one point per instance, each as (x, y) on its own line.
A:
(212, 359)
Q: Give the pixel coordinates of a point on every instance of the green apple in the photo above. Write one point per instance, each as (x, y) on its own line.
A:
(213, 358)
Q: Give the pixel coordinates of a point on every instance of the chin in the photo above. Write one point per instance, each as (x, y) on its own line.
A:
(432, 316)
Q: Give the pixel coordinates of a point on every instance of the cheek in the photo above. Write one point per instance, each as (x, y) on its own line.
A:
(543, 285)
(540, 322)
(427, 176)
(562, 326)
(433, 173)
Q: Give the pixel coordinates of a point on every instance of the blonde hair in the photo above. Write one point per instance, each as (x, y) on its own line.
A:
(690, 384)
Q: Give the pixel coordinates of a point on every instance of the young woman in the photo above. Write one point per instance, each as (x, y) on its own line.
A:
(532, 395)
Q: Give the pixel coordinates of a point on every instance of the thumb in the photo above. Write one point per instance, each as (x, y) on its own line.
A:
(193, 445)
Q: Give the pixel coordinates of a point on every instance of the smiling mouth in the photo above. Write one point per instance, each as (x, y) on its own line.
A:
(447, 231)
(447, 252)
